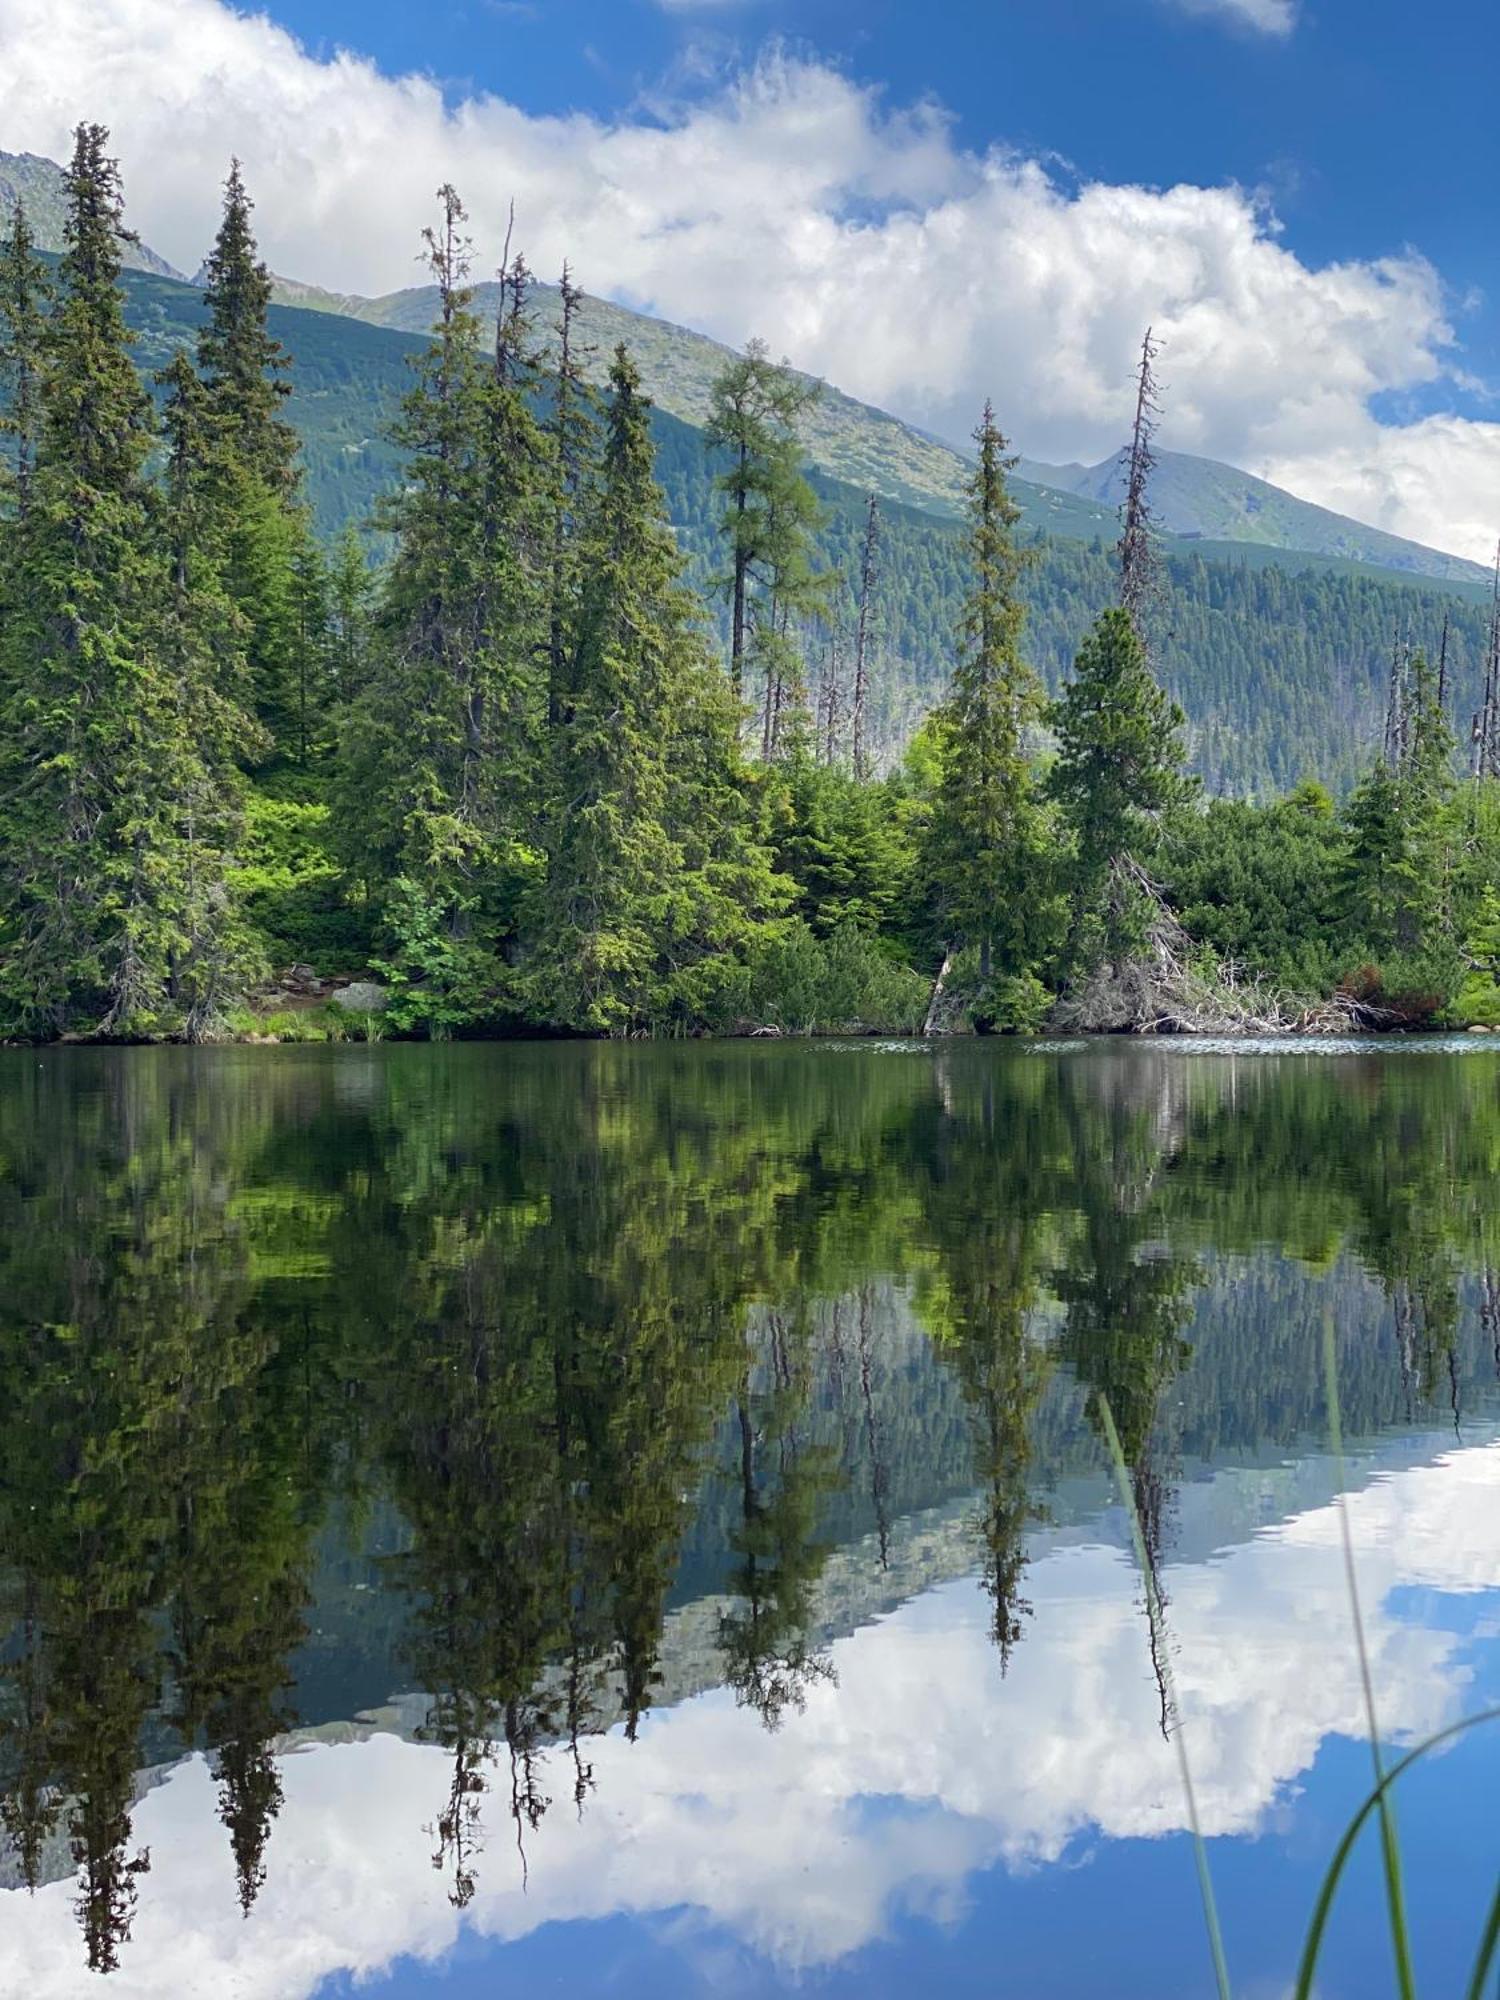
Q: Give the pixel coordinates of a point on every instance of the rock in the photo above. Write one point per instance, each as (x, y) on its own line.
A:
(363, 996)
(1478, 1029)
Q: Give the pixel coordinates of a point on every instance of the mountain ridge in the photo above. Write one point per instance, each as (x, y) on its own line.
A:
(854, 442)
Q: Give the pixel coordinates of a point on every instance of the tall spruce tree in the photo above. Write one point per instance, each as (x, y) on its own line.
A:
(269, 548)
(202, 639)
(24, 296)
(755, 408)
(988, 830)
(1118, 781)
(613, 866)
(1395, 886)
(435, 788)
(99, 758)
(571, 431)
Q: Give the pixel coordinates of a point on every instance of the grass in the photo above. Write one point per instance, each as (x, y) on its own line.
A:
(327, 1022)
(1379, 1802)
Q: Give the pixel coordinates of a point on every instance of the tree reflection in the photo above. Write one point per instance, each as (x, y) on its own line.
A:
(606, 1331)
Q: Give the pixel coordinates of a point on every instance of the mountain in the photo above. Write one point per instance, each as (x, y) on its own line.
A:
(1200, 499)
(38, 185)
(1278, 658)
(1196, 499)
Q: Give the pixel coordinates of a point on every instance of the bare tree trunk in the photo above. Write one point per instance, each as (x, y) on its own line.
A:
(858, 745)
(929, 1026)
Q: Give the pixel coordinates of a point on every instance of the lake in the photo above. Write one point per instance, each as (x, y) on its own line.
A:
(636, 1519)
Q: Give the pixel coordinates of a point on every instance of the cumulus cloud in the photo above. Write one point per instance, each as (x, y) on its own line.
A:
(1268, 17)
(708, 1814)
(788, 200)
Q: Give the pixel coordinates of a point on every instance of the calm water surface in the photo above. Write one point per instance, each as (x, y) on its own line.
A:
(633, 1521)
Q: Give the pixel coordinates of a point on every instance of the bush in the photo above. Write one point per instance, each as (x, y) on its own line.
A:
(793, 980)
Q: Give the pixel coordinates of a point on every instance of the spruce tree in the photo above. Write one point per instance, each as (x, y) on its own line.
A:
(571, 432)
(612, 862)
(242, 364)
(987, 822)
(202, 641)
(270, 550)
(1395, 886)
(1118, 781)
(99, 758)
(436, 779)
(24, 296)
(754, 412)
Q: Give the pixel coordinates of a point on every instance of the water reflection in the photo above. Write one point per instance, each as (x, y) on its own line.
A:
(556, 1384)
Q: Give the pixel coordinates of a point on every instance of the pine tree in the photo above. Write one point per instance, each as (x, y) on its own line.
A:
(435, 785)
(242, 364)
(99, 758)
(202, 644)
(612, 862)
(1118, 781)
(571, 431)
(754, 411)
(988, 830)
(24, 296)
(1395, 882)
(270, 551)
(349, 596)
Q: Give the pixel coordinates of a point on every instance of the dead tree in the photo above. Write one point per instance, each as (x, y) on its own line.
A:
(1486, 760)
(859, 745)
(1398, 716)
(1137, 544)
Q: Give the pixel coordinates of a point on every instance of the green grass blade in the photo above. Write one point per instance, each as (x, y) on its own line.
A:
(1322, 1908)
(1487, 1945)
(1154, 1614)
(1395, 1895)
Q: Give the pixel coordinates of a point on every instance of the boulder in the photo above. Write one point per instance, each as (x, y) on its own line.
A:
(362, 996)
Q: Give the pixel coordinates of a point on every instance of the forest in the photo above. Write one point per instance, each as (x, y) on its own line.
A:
(513, 755)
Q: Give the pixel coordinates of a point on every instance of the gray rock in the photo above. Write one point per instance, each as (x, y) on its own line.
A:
(364, 996)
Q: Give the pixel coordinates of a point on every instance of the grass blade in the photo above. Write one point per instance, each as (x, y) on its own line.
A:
(1486, 1958)
(1154, 1614)
(1395, 1896)
(1313, 1943)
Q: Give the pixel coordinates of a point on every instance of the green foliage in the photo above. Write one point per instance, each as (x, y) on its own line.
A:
(988, 839)
(1117, 781)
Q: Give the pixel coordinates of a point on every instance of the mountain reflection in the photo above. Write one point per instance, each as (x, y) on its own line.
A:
(544, 1343)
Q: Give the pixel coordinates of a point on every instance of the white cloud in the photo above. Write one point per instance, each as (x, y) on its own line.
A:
(709, 1815)
(789, 201)
(1269, 17)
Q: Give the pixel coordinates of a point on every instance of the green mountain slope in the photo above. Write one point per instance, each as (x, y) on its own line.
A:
(1195, 498)
(1279, 659)
(1198, 498)
(38, 185)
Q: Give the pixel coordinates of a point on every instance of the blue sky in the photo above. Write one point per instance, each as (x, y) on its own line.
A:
(927, 204)
(1365, 121)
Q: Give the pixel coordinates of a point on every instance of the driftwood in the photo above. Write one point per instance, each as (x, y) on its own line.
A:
(1167, 989)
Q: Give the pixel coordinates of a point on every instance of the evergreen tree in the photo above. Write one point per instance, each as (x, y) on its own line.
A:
(270, 552)
(988, 826)
(1395, 880)
(242, 364)
(440, 751)
(612, 861)
(572, 433)
(24, 295)
(100, 762)
(1118, 781)
(349, 604)
(754, 410)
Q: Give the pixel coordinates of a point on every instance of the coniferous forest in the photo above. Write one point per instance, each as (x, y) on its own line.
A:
(507, 756)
